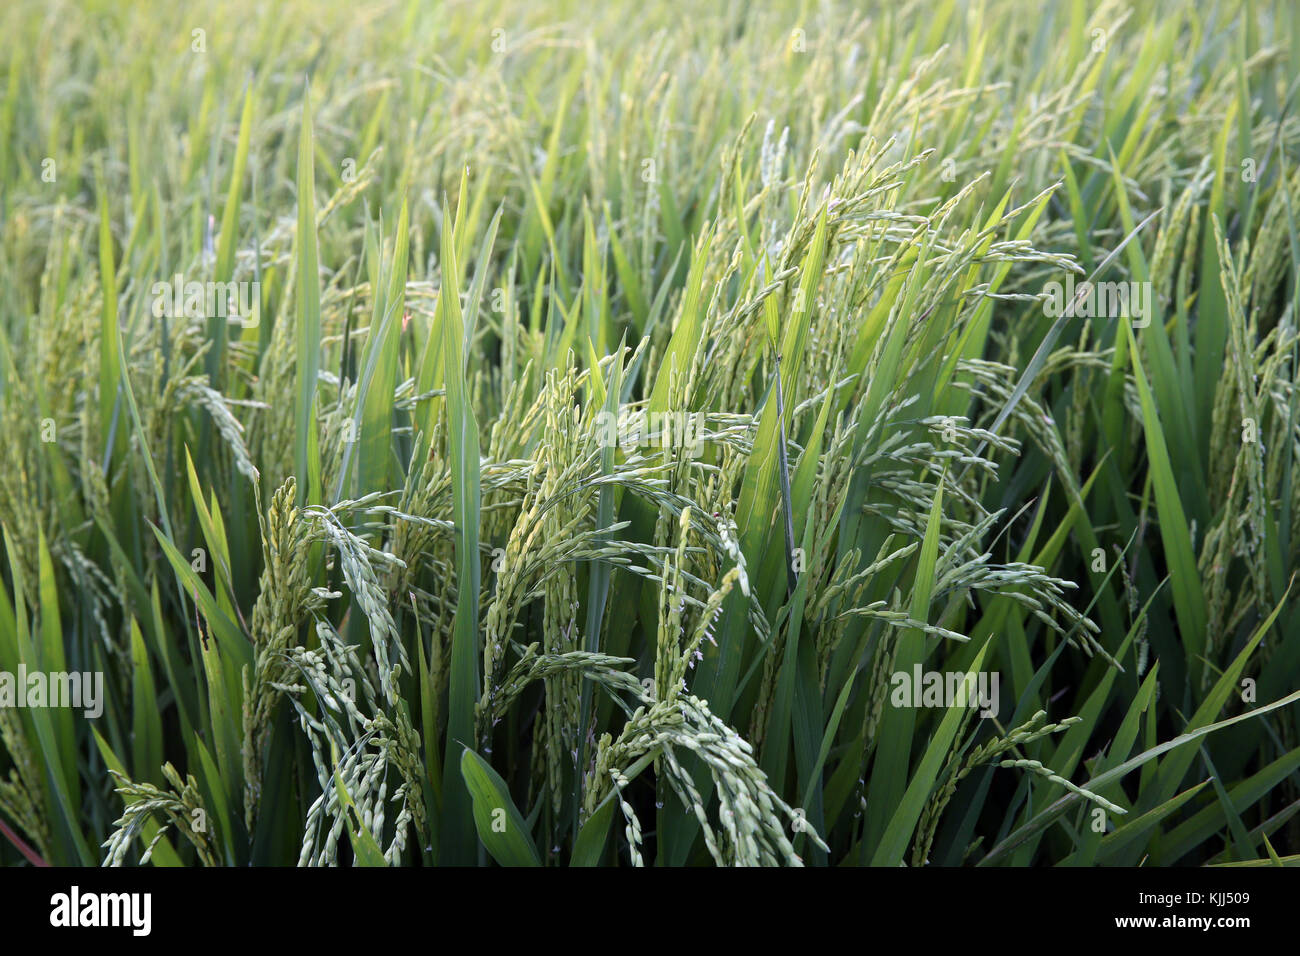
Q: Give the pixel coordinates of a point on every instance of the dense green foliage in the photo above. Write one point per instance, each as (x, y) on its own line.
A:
(626, 394)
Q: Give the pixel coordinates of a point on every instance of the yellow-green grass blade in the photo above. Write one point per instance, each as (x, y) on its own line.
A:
(463, 447)
(1185, 579)
(306, 453)
(374, 424)
(365, 849)
(889, 807)
(110, 348)
(902, 823)
(589, 847)
(224, 270)
(500, 825)
(146, 729)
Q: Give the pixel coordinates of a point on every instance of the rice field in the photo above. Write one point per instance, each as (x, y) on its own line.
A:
(649, 434)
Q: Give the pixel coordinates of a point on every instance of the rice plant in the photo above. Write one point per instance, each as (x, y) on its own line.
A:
(557, 434)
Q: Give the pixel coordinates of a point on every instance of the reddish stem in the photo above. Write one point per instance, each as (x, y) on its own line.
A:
(32, 856)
